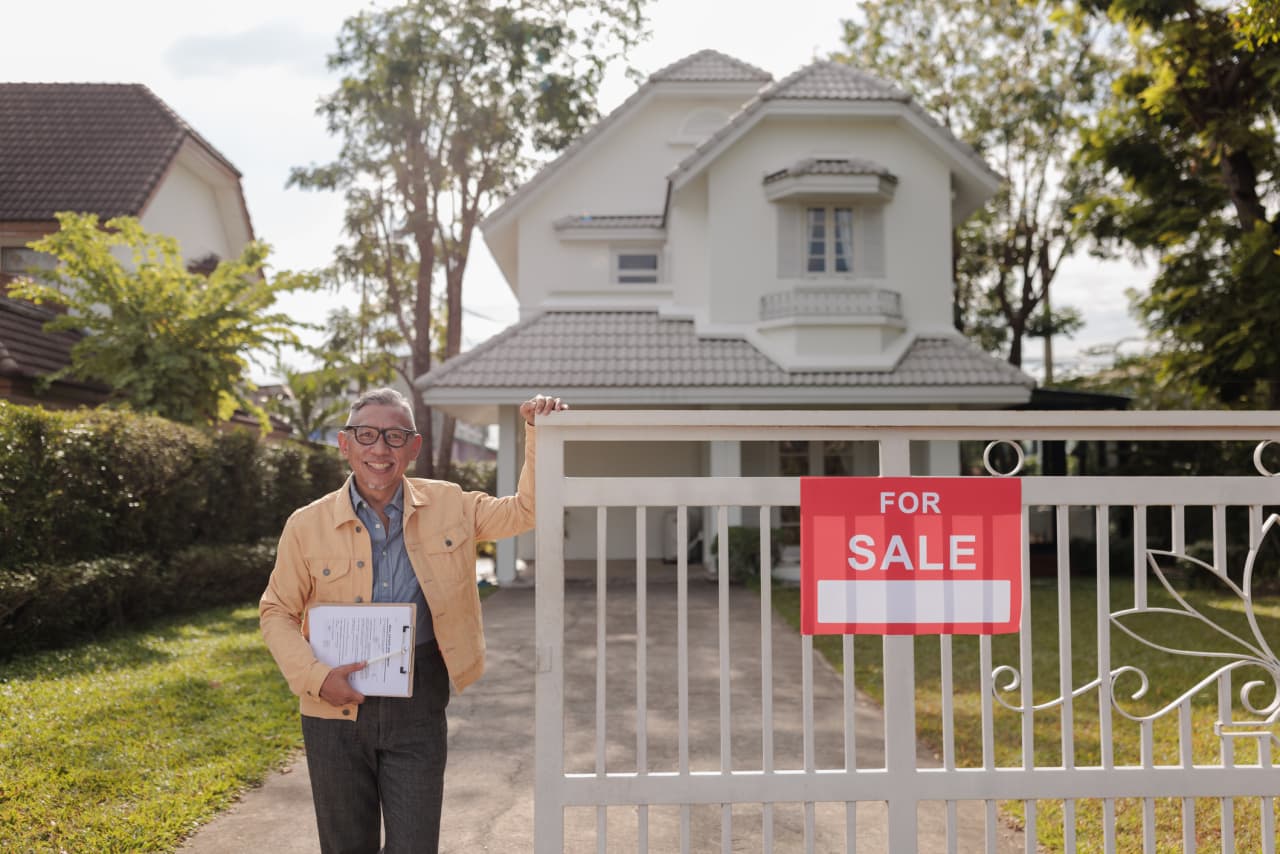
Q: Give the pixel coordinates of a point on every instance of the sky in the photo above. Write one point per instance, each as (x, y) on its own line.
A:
(247, 75)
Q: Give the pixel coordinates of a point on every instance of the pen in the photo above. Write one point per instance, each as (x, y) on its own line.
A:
(391, 654)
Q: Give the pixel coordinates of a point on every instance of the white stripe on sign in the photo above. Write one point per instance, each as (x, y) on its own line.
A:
(936, 601)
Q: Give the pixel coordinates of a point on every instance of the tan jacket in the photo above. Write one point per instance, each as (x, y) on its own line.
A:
(323, 558)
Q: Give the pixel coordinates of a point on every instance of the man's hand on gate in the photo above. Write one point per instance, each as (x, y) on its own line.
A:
(336, 690)
(540, 405)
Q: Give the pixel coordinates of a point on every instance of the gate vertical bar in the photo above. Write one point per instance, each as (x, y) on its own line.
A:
(642, 669)
(682, 664)
(602, 668)
(549, 797)
(899, 697)
(726, 717)
(766, 669)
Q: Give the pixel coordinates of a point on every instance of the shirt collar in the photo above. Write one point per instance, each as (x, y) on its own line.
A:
(358, 503)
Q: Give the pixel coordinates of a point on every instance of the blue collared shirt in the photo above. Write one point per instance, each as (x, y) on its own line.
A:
(393, 578)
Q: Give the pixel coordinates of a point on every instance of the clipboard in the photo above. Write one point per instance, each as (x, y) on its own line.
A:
(379, 633)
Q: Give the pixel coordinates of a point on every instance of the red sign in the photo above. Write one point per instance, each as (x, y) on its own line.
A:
(910, 555)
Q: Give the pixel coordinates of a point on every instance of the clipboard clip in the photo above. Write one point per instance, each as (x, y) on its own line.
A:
(395, 652)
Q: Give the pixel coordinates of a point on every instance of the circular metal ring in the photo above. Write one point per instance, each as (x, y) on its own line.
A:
(1257, 459)
(986, 458)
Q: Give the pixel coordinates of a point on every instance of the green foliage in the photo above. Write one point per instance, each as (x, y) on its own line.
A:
(78, 485)
(127, 744)
(167, 340)
(476, 476)
(1191, 158)
(744, 551)
(1257, 22)
(54, 604)
(1017, 80)
(440, 104)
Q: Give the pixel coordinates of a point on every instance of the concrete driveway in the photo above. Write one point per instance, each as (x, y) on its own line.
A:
(490, 780)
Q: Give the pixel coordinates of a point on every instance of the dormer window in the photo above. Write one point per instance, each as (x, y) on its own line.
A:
(829, 240)
(637, 266)
(831, 217)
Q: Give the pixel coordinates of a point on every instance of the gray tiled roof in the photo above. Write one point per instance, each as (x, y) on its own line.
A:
(830, 81)
(638, 349)
(609, 221)
(825, 166)
(826, 80)
(91, 147)
(710, 66)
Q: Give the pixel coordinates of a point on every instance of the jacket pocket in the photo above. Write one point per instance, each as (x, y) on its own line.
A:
(331, 578)
(446, 541)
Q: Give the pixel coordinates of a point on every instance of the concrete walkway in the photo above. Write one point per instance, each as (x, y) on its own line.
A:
(489, 783)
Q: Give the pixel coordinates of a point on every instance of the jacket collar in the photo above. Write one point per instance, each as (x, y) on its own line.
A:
(415, 494)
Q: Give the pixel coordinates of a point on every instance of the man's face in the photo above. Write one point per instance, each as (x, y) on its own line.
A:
(378, 468)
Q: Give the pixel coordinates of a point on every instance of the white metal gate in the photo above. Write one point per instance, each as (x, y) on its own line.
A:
(626, 787)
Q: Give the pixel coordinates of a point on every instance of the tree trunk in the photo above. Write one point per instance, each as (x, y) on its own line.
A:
(444, 456)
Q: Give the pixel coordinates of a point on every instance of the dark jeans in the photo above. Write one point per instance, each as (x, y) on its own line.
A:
(386, 765)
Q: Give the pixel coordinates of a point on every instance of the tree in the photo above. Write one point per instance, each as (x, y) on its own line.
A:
(168, 340)
(1191, 160)
(1016, 80)
(1257, 22)
(441, 105)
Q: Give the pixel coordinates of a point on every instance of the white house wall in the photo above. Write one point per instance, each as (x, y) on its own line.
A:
(743, 224)
(185, 207)
(623, 173)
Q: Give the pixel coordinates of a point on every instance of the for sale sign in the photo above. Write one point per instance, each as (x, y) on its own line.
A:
(910, 555)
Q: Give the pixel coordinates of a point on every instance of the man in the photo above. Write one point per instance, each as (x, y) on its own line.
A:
(383, 537)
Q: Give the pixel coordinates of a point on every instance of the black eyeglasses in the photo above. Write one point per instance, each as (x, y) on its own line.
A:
(395, 437)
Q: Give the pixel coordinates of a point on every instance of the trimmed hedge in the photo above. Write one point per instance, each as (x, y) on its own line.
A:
(54, 604)
(108, 518)
(86, 484)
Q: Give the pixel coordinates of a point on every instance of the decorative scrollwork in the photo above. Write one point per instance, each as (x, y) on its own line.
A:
(1240, 652)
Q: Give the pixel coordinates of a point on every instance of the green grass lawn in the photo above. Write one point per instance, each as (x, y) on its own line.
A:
(1170, 676)
(129, 743)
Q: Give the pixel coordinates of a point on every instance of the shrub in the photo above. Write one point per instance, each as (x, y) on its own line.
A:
(85, 484)
(476, 476)
(744, 551)
(53, 604)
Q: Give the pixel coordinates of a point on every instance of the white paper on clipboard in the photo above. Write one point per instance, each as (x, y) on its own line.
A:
(380, 633)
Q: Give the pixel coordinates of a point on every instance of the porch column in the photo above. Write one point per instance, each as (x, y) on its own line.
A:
(944, 458)
(725, 461)
(509, 455)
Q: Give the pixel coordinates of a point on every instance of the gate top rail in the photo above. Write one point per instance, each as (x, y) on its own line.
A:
(704, 424)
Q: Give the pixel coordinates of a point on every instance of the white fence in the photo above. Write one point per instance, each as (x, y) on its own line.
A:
(987, 761)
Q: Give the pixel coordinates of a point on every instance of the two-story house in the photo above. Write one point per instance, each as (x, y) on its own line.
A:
(112, 150)
(725, 240)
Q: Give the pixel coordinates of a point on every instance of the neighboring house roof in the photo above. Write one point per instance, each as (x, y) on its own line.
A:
(92, 147)
(26, 350)
(705, 66)
(642, 358)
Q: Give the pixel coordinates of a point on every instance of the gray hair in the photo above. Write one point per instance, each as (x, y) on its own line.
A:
(383, 397)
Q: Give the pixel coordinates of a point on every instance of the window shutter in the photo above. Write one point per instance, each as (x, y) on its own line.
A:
(790, 240)
(868, 256)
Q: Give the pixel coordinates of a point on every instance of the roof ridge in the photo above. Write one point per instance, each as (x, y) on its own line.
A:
(791, 81)
(669, 70)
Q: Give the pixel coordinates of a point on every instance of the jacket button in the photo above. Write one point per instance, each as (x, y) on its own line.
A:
(326, 571)
(359, 599)
(360, 564)
(359, 529)
(448, 542)
(346, 711)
